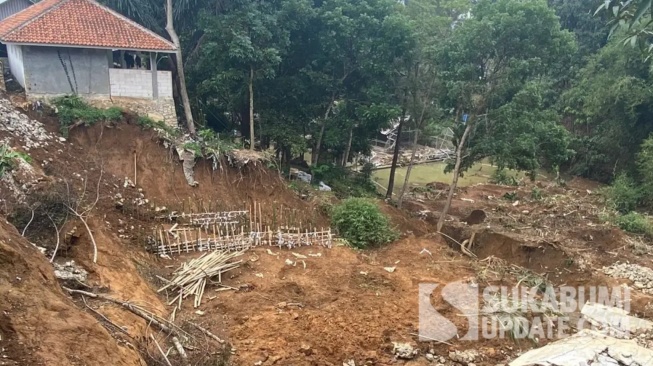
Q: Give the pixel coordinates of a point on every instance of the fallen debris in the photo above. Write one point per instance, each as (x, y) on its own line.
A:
(465, 357)
(587, 347)
(163, 324)
(70, 271)
(206, 331)
(642, 277)
(390, 269)
(191, 277)
(403, 350)
(615, 320)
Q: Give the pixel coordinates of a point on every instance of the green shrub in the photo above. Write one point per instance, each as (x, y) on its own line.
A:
(635, 223)
(645, 170)
(362, 223)
(9, 157)
(72, 110)
(500, 176)
(536, 194)
(343, 182)
(623, 195)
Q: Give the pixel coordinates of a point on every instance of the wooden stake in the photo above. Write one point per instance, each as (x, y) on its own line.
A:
(160, 350)
(205, 331)
(135, 171)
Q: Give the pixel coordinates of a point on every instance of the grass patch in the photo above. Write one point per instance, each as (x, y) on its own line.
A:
(73, 111)
(147, 122)
(635, 223)
(9, 158)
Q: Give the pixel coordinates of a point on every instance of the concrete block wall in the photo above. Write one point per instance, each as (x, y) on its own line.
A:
(138, 83)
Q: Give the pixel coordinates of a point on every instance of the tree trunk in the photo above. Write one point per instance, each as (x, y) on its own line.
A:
(251, 108)
(395, 156)
(345, 158)
(180, 68)
(410, 167)
(456, 174)
(318, 145)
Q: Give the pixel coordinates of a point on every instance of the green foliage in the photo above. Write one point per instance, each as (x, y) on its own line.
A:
(501, 176)
(362, 224)
(195, 147)
(209, 145)
(536, 194)
(634, 18)
(644, 163)
(511, 196)
(73, 110)
(623, 195)
(9, 158)
(608, 108)
(635, 223)
(343, 182)
(504, 83)
(147, 122)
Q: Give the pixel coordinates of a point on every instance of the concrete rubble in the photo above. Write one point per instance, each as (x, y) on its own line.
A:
(586, 348)
(615, 320)
(642, 277)
(466, 357)
(404, 350)
(32, 132)
(70, 271)
(382, 158)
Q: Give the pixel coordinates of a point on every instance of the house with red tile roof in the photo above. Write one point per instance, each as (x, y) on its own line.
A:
(62, 47)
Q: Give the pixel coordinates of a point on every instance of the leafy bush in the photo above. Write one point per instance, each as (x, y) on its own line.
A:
(500, 176)
(645, 170)
(72, 110)
(9, 157)
(536, 194)
(635, 223)
(147, 122)
(362, 223)
(343, 182)
(623, 195)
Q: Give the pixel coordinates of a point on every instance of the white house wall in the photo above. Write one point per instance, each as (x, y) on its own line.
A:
(16, 65)
(134, 83)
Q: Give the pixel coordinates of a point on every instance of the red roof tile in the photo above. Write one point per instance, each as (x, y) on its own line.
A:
(79, 23)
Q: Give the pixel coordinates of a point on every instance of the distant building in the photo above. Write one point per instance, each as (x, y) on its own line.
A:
(8, 8)
(61, 47)
(11, 7)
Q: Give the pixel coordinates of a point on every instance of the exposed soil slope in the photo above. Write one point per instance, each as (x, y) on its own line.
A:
(39, 324)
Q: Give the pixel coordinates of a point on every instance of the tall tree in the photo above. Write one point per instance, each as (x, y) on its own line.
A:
(432, 22)
(486, 62)
(170, 28)
(249, 40)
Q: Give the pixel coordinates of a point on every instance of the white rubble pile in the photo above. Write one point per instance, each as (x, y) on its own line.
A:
(403, 351)
(70, 271)
(642, 277)
(585, 348)
(616, 321)
(31, 131)
(466, 357)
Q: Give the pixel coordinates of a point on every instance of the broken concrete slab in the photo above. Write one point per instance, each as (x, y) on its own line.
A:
(615, 319)
(586, 348)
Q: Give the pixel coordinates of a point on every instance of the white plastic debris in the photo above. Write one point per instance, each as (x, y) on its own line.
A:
(323, 187)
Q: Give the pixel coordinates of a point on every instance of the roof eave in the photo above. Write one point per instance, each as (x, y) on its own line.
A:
(84, 46)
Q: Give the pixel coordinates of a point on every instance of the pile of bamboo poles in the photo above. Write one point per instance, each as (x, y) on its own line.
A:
(192, 276)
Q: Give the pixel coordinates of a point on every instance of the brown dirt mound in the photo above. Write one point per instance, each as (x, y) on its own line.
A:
(39, 324)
